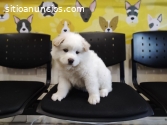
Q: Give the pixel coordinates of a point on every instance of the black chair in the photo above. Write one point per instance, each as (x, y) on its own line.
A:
(150, 49)
(23, 51)
(123, 103)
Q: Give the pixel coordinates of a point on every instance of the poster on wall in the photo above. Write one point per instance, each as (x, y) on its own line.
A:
(56, 16)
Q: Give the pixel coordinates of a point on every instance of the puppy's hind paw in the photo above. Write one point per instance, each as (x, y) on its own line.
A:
(56, 96)
(94, 99)
(103, 93)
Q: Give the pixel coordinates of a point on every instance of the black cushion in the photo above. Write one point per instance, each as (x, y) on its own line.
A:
(123, 101)
(156, 89)
(13, 94)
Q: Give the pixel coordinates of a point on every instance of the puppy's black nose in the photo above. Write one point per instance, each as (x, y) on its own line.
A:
(65, 30)
(70, 61)
(24, 29)
(108, 29)
(132, 18)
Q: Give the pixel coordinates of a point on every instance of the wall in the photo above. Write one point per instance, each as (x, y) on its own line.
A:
(150, 13)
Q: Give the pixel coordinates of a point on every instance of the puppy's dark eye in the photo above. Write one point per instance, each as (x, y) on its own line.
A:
(77, 52)
(65, 50)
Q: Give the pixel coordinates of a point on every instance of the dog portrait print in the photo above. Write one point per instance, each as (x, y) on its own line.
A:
(65, 26)
(154, 23)
(48, 8)
(132, 12)
(4, 15)
(87, 12)
(108, 26)
(23, 25)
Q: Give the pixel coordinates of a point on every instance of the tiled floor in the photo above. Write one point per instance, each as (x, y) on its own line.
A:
(29, 124)
(44, 120)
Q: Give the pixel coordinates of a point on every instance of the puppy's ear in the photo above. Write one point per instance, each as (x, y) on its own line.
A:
(71, 26)
(55, 4)
(115, 20)
(58, 40)
(149, 18)
(16, 19)
(41, 5)
(160, 18)
(93, 6)
(127, 5)
(137, 5)
(114, 23)
(62, 22)
(86, 45)
(102, 20)
(103, 23)
(78, 6)
(30, 18)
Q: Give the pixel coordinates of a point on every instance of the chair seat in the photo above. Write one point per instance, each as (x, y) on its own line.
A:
(13, 94)
(123, 101)
(156, 89)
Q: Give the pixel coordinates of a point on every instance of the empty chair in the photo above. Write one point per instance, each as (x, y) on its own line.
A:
(23, 51)
(150, 49)
(123, 103)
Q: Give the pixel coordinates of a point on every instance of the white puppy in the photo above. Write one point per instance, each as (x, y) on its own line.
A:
(79, 67)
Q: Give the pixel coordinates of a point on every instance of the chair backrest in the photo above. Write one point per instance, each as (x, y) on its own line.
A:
(150, 48)
(110, 47)
(24, 50)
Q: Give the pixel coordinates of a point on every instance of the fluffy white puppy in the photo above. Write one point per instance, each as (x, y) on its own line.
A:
(79, 67)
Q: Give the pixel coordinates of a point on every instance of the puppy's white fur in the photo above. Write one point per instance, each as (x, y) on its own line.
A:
(87, 71)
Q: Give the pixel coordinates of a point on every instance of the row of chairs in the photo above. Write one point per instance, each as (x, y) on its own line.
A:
(25, 51)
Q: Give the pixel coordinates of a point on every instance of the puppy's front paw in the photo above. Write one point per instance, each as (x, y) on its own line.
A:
(103, 92)
(93, 99)
(57, 96)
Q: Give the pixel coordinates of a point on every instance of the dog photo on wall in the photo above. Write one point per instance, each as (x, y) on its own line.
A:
(23, 25)
(108, 26)
(154, 23)
(87, 12)
(4, 15)
(132, 12)
(48, 8)
(65, 26)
